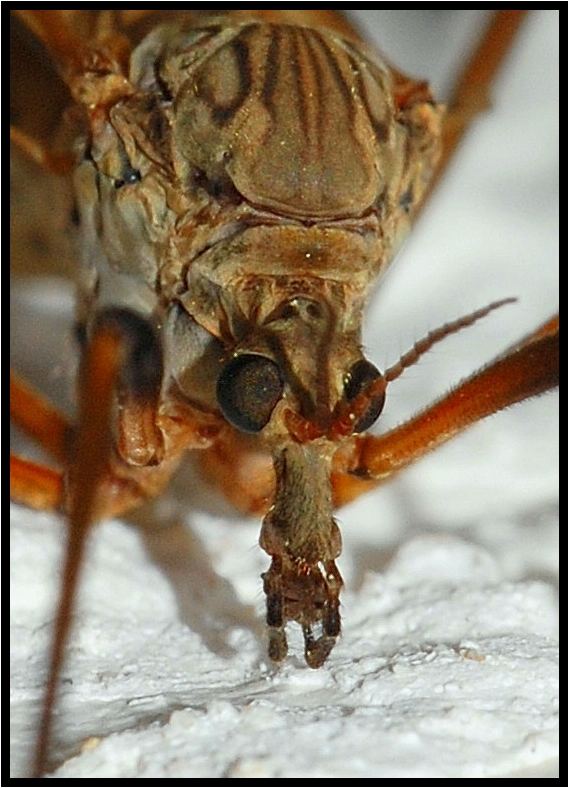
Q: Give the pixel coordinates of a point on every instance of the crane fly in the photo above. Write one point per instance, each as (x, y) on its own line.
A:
(228, 248)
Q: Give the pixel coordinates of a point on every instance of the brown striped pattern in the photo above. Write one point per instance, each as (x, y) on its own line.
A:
(302, 123)
(225, 106)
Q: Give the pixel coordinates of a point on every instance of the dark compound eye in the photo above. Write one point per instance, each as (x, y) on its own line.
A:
(361, 375)
(248, 389)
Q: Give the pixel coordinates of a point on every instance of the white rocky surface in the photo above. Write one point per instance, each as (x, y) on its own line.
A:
(447, 666)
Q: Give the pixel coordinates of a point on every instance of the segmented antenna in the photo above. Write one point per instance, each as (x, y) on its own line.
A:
(425, 344)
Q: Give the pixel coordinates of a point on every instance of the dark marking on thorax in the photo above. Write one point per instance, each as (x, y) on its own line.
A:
(272, 71)
(222, 114)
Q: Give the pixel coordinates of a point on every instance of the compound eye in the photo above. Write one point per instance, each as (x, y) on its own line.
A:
(361, 375)
(248, 389)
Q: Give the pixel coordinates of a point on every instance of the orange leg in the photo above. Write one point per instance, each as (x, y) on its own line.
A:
(93, 66)
(99, 482)
(73, 52)
(54, 30)
(529, 368)
(36, 151)
(40, 487)
(244, 475)
(346, 488)
(91, 459)
(40, 420)
(35, 485)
